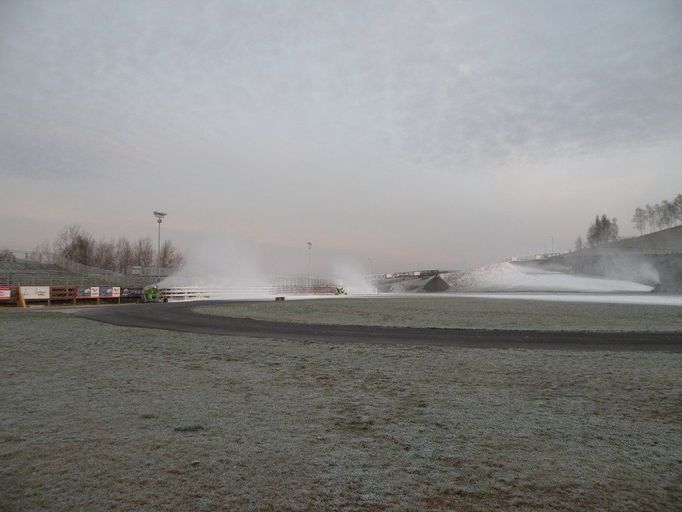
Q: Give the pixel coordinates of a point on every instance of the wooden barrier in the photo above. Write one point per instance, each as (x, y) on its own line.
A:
(63, 294)
(22, 296)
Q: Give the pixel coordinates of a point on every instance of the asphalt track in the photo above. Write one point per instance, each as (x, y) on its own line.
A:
(180, 316)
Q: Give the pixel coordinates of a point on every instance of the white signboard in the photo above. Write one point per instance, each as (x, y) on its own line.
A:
(116, 291)
(94, 291)
(35, 292)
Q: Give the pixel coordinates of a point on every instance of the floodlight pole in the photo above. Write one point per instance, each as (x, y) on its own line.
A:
(159, 218)
(310, 246)
(158, 253)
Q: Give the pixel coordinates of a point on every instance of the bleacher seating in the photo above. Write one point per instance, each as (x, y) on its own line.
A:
(33, 273)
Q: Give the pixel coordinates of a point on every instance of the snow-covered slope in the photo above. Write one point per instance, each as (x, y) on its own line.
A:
(507, 277)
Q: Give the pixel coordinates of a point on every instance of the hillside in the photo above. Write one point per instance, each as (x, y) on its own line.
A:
(664, 240)
(654, 259)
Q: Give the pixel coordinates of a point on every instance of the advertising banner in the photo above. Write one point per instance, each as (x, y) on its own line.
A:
(35, 292)
(109, 292)
(134, 293)
(5, 292)
(87, 292)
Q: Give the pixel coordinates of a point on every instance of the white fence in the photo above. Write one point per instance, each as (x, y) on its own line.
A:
(188, 293)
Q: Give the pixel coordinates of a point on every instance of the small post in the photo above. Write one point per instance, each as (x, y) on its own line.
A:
(21, 302)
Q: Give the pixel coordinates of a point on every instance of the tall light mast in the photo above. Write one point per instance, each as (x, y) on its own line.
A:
(159, 218)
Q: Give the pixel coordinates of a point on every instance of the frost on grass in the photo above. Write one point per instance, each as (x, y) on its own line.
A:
(462, 312)
(91, 412)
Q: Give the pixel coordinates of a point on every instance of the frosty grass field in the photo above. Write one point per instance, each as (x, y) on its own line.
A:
(474, 312)
(98, 417)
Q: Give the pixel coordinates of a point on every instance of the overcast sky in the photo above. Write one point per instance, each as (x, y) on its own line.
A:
(418, 134)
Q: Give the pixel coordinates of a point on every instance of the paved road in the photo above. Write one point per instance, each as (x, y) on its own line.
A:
(180, 317)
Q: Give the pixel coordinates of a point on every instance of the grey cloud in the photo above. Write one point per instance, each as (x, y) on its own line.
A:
(442, 85)
(216, 99)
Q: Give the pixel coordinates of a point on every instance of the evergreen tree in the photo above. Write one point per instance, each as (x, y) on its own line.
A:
(603, 231)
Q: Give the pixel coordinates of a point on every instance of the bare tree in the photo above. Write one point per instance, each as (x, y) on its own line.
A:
(613, 230)
(144, 252)
(661, 215)
(667, 213)
(65, 240)
(42, 251)
(650, 217)
(75, 244)
(677, 203)
(579, 243)
(124, 255)
(170, 256)
(658, 216)
(7, 256)
(104, 254)
(639, 220)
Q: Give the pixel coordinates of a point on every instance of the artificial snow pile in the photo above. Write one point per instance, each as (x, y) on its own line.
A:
(507, 277)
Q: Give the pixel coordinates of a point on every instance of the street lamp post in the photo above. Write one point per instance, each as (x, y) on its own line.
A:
(159, 218)
(310, 246)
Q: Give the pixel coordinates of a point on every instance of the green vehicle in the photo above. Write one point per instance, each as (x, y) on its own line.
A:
(151, 294)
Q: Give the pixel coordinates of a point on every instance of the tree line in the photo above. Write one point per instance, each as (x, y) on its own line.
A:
(659, 216)
(654, 218)
(120, 255)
